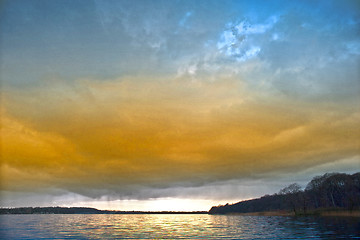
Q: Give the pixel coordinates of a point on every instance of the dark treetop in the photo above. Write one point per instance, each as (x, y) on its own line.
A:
(331, 191)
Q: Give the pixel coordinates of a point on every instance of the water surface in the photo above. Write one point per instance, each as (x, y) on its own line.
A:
(158, 226)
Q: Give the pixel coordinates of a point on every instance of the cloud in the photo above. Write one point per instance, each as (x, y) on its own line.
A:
(179, 196)
(234, 40)
(245, 28)
(117, 137)
(162, 99)
(185, 18)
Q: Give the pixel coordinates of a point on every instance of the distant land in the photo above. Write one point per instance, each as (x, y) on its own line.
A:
(83, 210)
(329, 194)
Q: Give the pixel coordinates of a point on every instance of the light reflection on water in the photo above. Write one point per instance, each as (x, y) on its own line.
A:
(99, 226)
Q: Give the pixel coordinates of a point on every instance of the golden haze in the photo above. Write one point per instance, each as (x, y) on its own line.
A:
(112, 134)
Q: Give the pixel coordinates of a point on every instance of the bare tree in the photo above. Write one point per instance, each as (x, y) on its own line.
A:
(291, 189)
(292, 192)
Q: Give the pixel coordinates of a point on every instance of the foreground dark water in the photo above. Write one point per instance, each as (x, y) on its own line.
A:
(99, 226)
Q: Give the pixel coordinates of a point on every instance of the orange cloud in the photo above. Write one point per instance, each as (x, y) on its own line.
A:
(157, 132)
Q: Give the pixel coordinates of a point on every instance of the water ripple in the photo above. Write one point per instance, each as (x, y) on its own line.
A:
(98, 226)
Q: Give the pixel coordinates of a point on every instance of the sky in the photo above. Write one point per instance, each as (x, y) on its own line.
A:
(174, 105)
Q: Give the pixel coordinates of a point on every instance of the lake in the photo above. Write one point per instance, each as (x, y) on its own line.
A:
(175, 226)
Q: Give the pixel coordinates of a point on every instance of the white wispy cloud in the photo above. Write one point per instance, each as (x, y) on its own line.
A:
(234, 41)
(185, 18)
(246, 28)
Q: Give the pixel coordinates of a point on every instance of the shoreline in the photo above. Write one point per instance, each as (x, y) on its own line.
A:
(355, 214)
(325, 213)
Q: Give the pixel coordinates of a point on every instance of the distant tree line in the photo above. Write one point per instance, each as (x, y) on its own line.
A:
(329, 191)
(50, 210)
(82, 210)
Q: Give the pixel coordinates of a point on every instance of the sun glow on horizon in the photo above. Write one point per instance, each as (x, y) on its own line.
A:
(151, 205)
